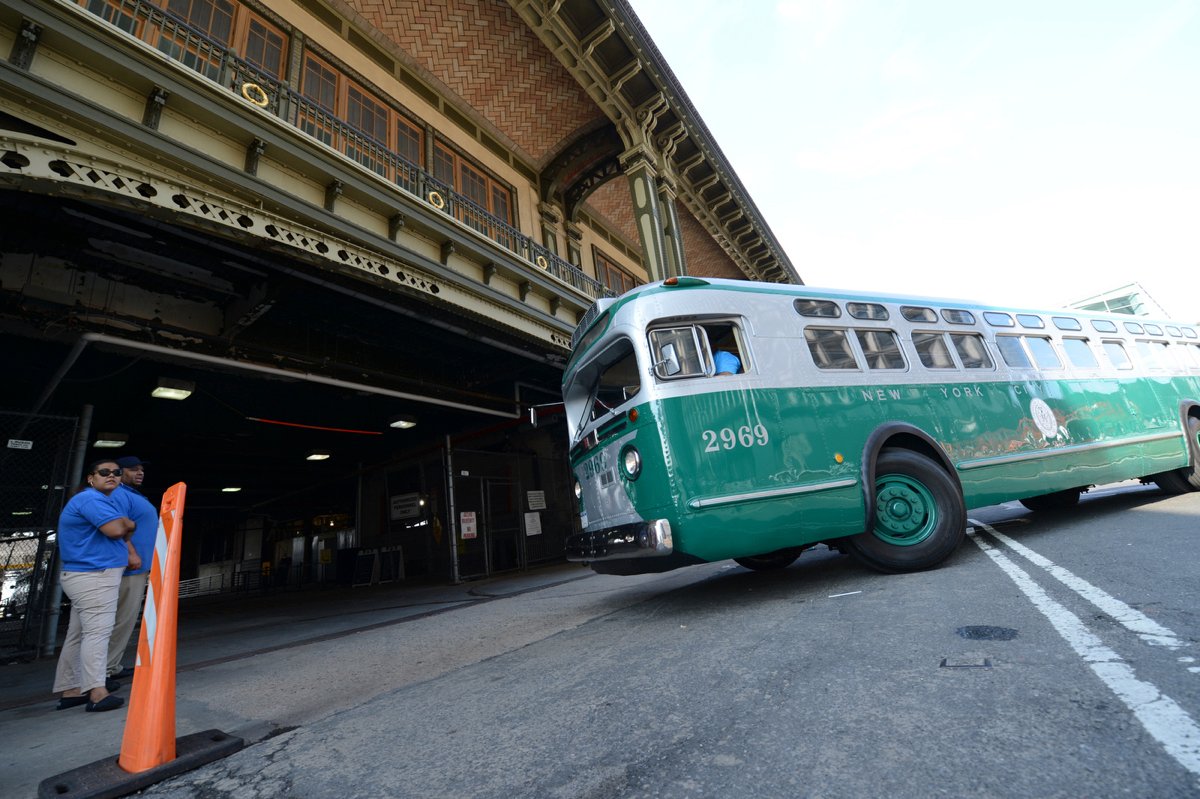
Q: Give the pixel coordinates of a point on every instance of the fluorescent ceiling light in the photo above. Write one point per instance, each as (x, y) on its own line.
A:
(318, 455)
(402, 422)
(170, 388)
(231, 489)
(110, 440)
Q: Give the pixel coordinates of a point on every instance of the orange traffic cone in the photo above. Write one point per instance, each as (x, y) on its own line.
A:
(150, 726)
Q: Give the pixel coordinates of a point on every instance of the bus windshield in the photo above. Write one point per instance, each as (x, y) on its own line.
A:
(602, 386)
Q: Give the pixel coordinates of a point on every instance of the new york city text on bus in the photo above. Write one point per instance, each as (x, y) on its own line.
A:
(869, 422)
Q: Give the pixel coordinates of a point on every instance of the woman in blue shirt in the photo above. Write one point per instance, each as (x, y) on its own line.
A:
(93, 546)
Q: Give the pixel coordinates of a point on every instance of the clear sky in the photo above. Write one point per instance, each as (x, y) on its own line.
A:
(1028, 152)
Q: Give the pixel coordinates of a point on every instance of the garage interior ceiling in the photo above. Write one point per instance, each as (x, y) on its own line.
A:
(79, 279)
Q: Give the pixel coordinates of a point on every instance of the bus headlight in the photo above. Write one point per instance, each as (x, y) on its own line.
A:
(631, 462)
(578, 490)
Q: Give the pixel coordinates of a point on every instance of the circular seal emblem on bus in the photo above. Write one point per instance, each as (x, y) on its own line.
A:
(1043, 417)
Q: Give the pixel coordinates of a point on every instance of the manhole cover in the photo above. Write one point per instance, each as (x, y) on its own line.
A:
(983, 632)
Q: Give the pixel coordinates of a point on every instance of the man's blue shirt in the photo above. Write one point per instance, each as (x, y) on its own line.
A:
(135, 505)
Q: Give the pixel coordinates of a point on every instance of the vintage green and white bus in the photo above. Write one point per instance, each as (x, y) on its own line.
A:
(865, 421)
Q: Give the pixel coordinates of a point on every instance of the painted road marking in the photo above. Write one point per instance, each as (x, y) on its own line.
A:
(1133, 620)
(1160, 716)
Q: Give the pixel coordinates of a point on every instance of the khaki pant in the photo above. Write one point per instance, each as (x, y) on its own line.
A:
(130, 600)
(84, 657)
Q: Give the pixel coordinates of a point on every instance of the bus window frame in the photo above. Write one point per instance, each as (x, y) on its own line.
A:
(700, 342)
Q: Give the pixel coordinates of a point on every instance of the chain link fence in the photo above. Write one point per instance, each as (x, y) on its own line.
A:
(35, 456)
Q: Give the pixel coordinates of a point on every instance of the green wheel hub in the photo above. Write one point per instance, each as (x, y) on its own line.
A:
(905, 511)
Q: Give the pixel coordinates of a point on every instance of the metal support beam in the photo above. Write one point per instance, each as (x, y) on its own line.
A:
(25, 46)
(155, 102)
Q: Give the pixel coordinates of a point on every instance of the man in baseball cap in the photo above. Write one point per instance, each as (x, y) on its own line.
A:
(129, 499)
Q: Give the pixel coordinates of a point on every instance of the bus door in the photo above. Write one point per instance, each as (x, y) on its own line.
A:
(489, 526)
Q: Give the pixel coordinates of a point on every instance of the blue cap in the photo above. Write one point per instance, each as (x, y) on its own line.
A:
(129, 461)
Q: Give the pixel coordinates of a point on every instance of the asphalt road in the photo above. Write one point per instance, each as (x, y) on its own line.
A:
(1055, 655)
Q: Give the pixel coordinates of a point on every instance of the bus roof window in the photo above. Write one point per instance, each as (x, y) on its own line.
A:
(825, 309)
(997, 319)
(915, 313)
(1134, 327)
(932, 350)
(1153, 330)
(971, 351)
(1012, 352)
(1104, 326)
(867, 310)
(956, 316)
(1066, 323)
(1030, 321)
(1174, 331)
(881, 348)
(1079, 353)
(1187, 331)
(830, 349)
(1117, 356)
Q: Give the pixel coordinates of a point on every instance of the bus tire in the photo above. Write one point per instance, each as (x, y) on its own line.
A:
(920, 516)
(770, 561)
(1192, 471)
(1056, 500)
(1181, 481)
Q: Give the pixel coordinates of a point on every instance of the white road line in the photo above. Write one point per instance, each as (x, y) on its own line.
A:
(1133, 620)
(1160, 716)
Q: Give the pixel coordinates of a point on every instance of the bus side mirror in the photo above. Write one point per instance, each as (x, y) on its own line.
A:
(669, 365)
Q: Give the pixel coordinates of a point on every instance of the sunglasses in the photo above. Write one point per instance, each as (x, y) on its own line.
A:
(108, 472)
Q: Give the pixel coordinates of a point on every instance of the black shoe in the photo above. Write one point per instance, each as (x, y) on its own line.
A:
(123, 674)
(109, 702)
(71, 701)
(111, 685)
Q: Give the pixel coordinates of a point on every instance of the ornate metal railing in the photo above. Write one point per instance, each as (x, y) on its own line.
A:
(176, 39)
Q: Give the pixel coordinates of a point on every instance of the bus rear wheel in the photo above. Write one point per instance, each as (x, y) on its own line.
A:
(1057, 500)
(920, 516)
(1181, 481)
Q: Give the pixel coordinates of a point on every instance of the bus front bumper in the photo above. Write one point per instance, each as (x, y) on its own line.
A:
(638, 540)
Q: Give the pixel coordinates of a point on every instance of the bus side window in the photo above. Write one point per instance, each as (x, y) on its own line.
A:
(1079, 353)
(677, 352)
(932, 350)
(971, 351)
(881, 348)
(1115, 351)
(1043, 352)
(728, 358)
(830, 349)
(1012, 353)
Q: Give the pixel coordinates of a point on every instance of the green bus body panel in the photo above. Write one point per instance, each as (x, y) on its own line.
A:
(747, 471)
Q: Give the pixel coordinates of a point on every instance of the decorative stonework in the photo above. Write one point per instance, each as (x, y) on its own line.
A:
(485, 53)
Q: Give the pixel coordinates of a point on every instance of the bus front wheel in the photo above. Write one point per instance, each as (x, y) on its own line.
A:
(920, 517)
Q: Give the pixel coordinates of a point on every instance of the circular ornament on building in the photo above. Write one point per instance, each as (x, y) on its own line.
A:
(1043, 417)
(542, 262)
(436, 200)
(255, 94)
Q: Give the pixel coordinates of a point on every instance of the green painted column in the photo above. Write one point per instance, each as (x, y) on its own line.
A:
(672, 236)
(646, 212)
